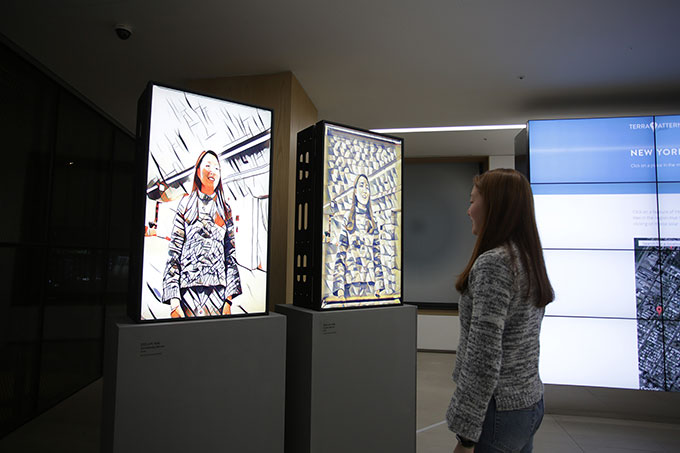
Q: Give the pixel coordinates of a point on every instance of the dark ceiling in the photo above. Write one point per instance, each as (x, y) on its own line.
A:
(375, 63)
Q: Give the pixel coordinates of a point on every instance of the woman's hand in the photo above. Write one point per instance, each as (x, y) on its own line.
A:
(460, 449)
(175, 308)
(226, 308)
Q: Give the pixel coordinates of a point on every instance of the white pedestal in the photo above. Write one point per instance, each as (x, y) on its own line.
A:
(351, 380)
(208, 385)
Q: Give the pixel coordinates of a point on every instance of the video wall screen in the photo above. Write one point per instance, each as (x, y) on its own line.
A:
(206, 206)
(607, 199)
(348, 241)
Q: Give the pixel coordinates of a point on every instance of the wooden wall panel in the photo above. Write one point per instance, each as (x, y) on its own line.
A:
(293, 111)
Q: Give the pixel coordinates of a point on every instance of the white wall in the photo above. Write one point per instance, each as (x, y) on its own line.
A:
(441, 332)
(438, 332)
(503, 161)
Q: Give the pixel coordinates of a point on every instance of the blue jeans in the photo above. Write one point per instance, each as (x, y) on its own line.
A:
(509, 431)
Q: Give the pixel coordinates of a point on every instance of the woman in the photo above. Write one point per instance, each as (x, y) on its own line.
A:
(358, 269)
(201, 277)
(498, 402)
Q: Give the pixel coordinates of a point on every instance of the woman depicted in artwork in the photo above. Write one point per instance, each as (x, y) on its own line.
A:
(498, 402)
(358, 270)
(201, 276)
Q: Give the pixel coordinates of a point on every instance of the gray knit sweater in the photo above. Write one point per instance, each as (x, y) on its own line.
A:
(499, 343)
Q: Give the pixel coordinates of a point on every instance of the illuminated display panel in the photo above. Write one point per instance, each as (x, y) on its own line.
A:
(582, 289)
(361, 219)
(206, 206)
(608, 212)
(600, 150)
(348, 218)
(589, 351)
(668, 147)
(595, 216)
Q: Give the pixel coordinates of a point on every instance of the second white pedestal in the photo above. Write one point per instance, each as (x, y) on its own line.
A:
(350, 380)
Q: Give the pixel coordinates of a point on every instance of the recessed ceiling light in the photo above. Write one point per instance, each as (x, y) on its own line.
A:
(491, 127)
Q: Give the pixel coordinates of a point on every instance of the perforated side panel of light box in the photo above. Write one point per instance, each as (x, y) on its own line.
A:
(308, 190)
(323, 209)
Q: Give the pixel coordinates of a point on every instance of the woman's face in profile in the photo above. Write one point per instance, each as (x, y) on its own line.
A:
(363, 191)
(476, 211)
(209, 174)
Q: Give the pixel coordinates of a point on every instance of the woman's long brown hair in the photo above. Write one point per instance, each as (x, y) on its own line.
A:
(352, 220)
(224, 211)
(197, 185)
(509, 203)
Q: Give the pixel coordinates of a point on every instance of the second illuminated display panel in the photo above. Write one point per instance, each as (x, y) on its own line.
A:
(348, 249)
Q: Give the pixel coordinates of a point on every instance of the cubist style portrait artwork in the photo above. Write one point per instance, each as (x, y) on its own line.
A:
(362, 219)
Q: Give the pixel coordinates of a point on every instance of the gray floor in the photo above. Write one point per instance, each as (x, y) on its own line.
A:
(558, 433)
(74, 425)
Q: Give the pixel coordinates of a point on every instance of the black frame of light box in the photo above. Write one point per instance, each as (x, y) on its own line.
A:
(309, 234)
(134, 306)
